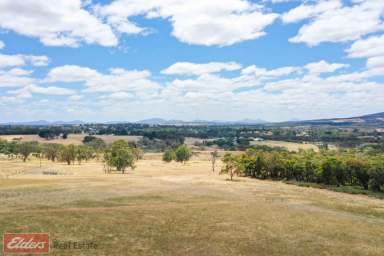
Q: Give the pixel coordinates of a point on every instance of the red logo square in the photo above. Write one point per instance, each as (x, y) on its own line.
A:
(32, 243)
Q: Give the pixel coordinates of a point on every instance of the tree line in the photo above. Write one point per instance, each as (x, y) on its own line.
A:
(343, 168)
(230, 137)
(50, 151)
(119, 155)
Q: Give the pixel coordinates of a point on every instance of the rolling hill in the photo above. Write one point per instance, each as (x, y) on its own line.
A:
(376, 119)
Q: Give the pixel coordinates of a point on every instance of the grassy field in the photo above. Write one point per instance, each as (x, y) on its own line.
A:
(291, 146)
(76, 139)
(176, 209)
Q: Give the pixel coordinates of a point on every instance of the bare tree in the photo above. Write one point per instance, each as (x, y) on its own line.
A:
(214, 156)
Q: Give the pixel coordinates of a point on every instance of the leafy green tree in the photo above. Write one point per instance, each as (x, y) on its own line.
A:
(26, 148)
(232, 166)
(259, 165)
(252, 164)
(83, 153)
(52, 151)
(120, 156)
(8, 148)
(376, 174)
(275, 165)
(98, 145)
(49, 134)
(329, 168)
(357, 172)
(68, 154)
(183, 153)
(3, 146)
(298, 169)
(11, 149)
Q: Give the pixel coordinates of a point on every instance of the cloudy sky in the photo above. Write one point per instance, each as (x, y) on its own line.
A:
(126, 60)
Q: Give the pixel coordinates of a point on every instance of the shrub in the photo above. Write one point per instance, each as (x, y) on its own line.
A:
(183, 153)
(169, 156)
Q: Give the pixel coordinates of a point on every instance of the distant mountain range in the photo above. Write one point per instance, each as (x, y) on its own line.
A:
(376, 119)
(365, 120)
(160, 121)
(46, 123)
(151, 121)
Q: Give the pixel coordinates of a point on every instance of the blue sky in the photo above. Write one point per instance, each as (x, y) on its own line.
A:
(126, 60)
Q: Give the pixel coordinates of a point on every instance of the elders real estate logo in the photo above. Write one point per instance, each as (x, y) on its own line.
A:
(32, 243)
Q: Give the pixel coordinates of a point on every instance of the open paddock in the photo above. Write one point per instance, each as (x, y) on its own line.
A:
(183, 209)
(291, 146)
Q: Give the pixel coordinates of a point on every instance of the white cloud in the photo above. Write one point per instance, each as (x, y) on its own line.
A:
(19, 72)
(75, 97)
(70, 73)
(69, 23)
(280, 1)
(34, 89)
(38, 61)
(188, 68)
(253, 89)
(207, 85)
(198, 22)
(376, 62)
(11, 60)
(2, 44)
(120, 96)
(365, 48)
(371, 48)
(55, 23)
(15, 78)
(274, 93)
(21, 60)
(118, 80)
(332, 23)
(264, 73)
(306, 11)
(16, 97)
(50, 90)
(314, 68)
(324, 67)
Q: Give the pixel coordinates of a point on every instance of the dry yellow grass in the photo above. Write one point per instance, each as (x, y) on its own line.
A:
(76, 139)
(291, 146)
(176, 209)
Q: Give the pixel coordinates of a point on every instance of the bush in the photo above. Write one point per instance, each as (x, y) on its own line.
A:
(183, 153)
(169, 156)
